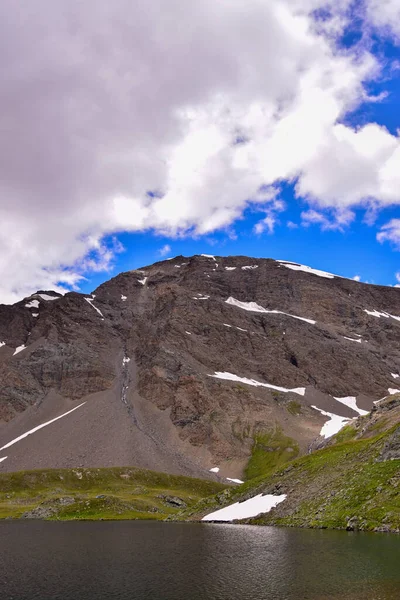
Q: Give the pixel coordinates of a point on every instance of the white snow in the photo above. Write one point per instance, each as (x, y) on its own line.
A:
(352, 339)
(125, 360)
(90, 301)
(234, 480)
(226, 325)
(143, 281)
(19, 349)
(200, 297)
(177, 266)
(214, 470)
(253, 307)
(24, 435)
(351, 402)
(393, 391)
(305, 269)
(230, 268)
(188, 332)
(123, 298)
(249, 508)
(394, 375)
(332, 426)
(208, 256)
(376, 313)
(47, 297)
(232, 377)
(3, 458)
(2, 344)
(32, 304)
(240, 329)
(35, 314)
(247, 267)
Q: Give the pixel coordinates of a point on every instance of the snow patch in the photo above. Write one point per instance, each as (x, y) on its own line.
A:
(143, 281)
(232, 377)
(244, 510)
(332, 426)
(208, 256)
(305, 269)
(3, 458)
(35, 314)
(126, 360)
(90, 301)
(393, 391)
(247, 267)
(253, 307)
(385, 315)
(394, 375)
(188, 332)
(47, 297)
(24, 435)
(214, 470)
(351, 402)
(200, 297)
(123, 298)
(32, 304)
(2, 344)
(19, 349)
(230, 268)
(234, 480)
(352, 339)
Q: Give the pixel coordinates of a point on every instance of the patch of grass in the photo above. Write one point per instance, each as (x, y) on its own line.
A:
(270, 451)
(294, 407)
(348, 432)
(114, 493)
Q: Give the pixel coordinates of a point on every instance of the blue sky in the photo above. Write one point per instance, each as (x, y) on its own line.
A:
(268, 129)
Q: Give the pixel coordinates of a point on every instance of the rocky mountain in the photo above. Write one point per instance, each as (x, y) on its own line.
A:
(232, 364)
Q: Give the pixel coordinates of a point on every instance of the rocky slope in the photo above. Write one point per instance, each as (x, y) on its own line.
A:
(193, 363)
(352, 483)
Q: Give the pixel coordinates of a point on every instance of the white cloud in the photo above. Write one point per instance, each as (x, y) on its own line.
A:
(173, 117)
(339, 219)
(390, 232)
(165, 250)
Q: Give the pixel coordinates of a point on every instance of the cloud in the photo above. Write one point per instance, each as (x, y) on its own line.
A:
(390, 232)
(174, 117)
(166, 249)
(337, 220)
(292, 225)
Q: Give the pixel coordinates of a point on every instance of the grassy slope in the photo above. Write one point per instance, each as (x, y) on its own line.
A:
(270, 451)
(125, 493)
(345, 481)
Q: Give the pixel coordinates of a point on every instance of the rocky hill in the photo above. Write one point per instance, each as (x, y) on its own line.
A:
(351, 483)
(232, 364)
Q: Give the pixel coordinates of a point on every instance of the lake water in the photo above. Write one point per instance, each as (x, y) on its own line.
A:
(173, 561)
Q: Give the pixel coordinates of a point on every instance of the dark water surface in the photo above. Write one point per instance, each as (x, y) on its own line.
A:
(174, 561)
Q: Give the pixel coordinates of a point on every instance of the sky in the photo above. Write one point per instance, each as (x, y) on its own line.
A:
(133, 131)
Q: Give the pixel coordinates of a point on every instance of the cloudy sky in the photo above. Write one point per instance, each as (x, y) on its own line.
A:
(132, 130)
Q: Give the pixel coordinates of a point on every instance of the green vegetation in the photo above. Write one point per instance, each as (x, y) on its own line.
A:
(114, 493)
(270, 451)
(294, 407)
